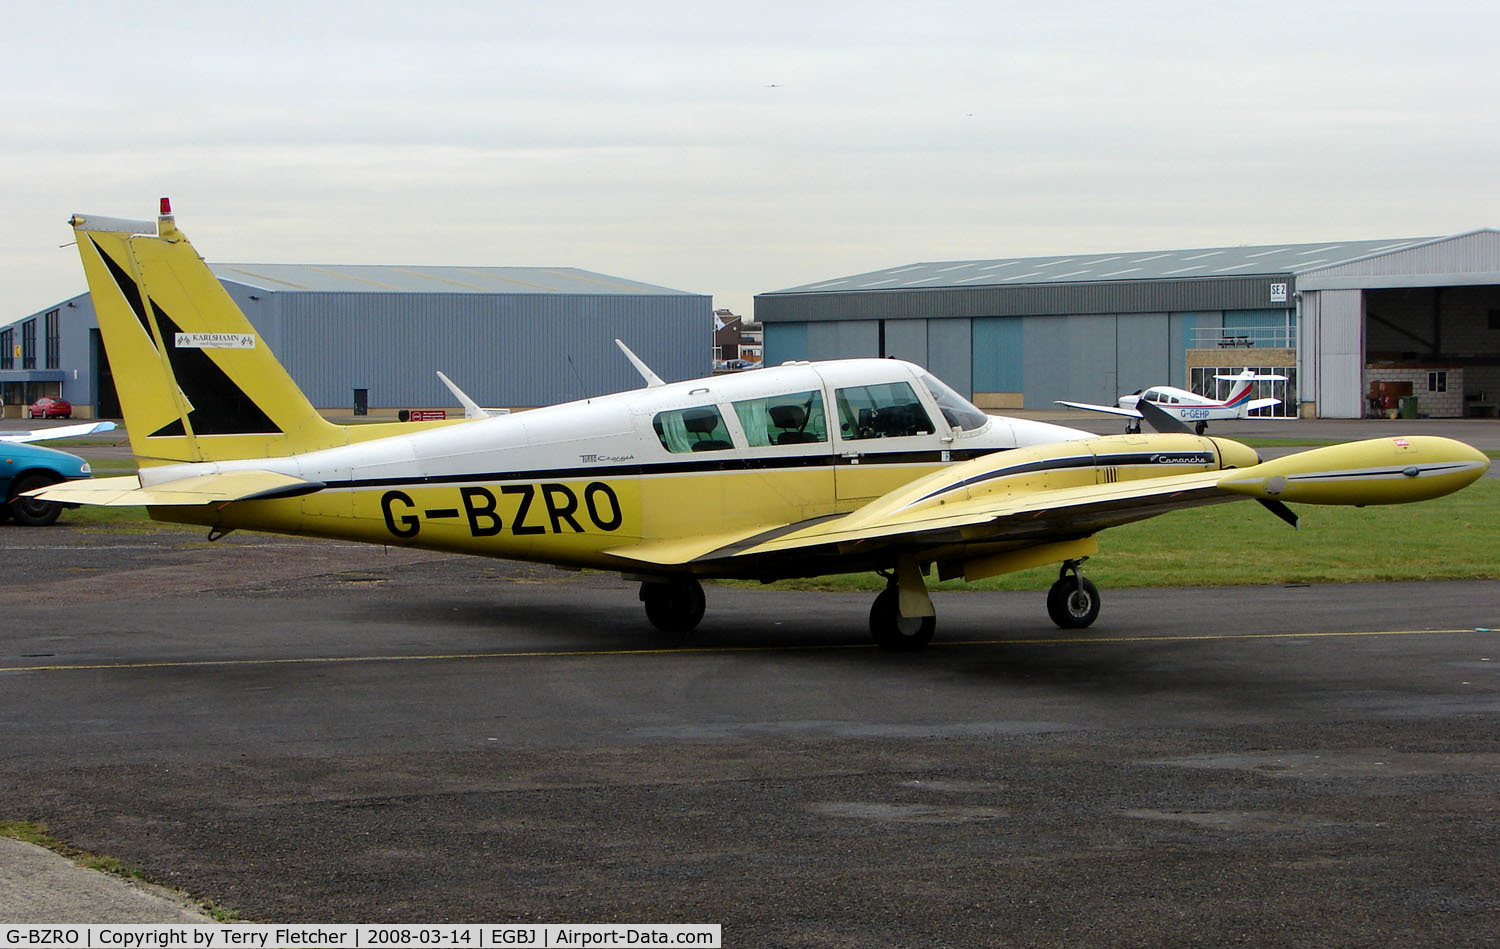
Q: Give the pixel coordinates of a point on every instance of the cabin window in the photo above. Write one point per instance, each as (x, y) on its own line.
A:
(792, 419)
(697, 429)
(887, 410)
(957, 410)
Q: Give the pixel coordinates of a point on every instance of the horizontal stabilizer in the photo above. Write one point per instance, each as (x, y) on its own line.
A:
(1254, 404)
(199, 489)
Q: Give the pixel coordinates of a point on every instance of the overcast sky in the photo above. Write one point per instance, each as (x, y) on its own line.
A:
(736, 149)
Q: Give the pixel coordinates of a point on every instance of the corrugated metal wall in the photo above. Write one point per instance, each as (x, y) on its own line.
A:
(503, 349)
(950, 352)
(784, 342)
(1069, 357)
(907, 339)
(1143, 352)
(844, 340)
(1475, 255)
(998, 357)
(1341, 324)
(1157, 296)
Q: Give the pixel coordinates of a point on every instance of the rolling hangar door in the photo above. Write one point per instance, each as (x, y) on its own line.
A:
(1417, 329)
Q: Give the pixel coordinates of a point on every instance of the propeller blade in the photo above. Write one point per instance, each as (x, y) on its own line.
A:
(1160, 420)
(1280, 510)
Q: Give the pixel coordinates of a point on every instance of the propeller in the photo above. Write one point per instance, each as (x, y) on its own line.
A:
(1161, 420)
(1280, 510)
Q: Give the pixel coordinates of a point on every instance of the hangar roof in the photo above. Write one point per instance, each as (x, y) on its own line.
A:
(1269, 259)
(366, 278)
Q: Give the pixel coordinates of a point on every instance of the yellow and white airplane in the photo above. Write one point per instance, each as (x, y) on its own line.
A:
(801, 470)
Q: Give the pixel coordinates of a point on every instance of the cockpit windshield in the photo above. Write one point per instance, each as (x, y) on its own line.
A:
(959, 411)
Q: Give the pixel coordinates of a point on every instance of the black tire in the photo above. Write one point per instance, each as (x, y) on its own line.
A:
(1073, 603)
(1200, 427)
(29, 512)
(675, 607)
(895, 632)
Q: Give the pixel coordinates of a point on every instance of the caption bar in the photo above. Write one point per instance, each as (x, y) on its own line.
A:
(362, 936)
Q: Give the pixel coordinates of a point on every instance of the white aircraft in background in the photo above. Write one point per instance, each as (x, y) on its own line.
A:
(61, 431)
(1188, 406)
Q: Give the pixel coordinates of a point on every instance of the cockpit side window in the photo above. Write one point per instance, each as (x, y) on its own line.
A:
(958, 411)
(887, 410)
(700, 428)
(790, 419)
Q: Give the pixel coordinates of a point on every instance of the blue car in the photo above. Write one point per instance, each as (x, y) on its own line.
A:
(25, 466)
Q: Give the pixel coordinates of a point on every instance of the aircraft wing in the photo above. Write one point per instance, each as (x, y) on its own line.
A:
(986, 526)
(199, 489)
(61, 431)
(966, 513)
(1111, 409)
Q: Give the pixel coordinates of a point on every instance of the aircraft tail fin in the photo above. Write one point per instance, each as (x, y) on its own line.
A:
(196, 381)
(1244, 387)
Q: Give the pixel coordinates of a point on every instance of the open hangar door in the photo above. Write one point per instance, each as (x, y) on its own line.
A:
(1437, 344)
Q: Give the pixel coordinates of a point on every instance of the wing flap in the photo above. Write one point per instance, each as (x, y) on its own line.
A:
(1065, 510)
(199, 489)
(676, 551)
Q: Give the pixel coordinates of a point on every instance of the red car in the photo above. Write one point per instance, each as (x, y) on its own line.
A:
(51, 408)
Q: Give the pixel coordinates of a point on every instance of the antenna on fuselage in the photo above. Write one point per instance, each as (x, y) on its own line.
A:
(471, 408)
(652, 379)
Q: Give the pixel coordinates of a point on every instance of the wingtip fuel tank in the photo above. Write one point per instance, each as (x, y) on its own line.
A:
(1374, 471)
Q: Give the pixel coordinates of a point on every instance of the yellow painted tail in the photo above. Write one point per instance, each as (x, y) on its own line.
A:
(196, 382)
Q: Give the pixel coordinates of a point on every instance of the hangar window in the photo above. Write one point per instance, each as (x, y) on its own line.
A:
(791, 419)
(7, 349)
(1437, 382)
(697, 429)
(54, 340)
(887, 410)
(28, 344)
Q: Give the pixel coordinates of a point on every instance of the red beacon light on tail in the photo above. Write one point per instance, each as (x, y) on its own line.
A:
(166, 224)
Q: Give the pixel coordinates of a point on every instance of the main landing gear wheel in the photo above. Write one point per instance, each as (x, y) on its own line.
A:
(1073, 601)
(895, 632)
(1200, 427)
(674, 606)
